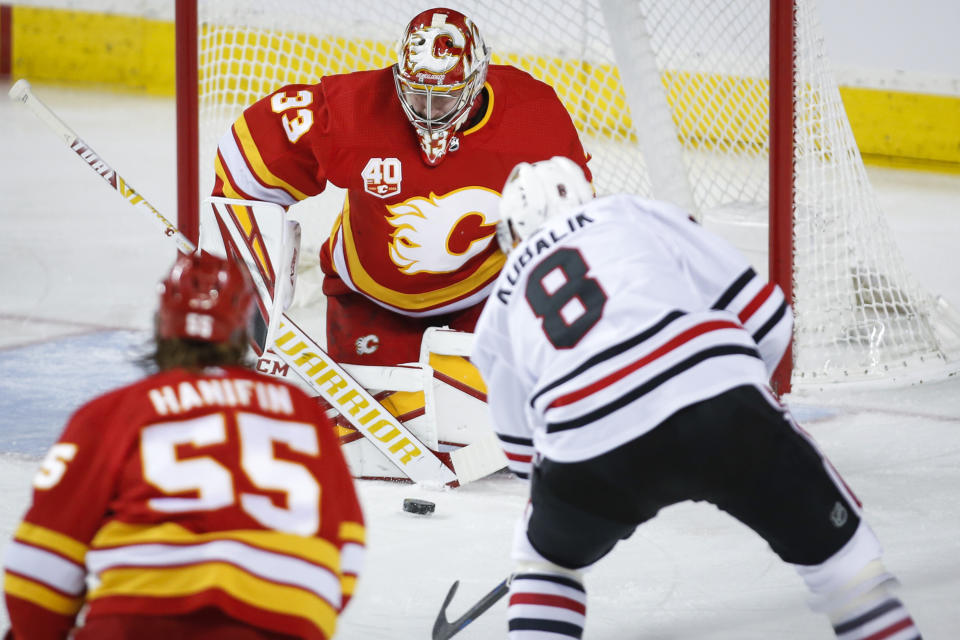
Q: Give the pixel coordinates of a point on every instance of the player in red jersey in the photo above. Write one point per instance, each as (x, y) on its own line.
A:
(204, 501)
(413, 246)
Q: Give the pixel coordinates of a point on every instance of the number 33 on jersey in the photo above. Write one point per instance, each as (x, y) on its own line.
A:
(415, 239)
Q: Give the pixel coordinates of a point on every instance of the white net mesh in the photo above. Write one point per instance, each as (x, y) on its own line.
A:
(695, 131)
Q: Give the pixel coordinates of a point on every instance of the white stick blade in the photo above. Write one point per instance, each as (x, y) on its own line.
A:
(20, 90)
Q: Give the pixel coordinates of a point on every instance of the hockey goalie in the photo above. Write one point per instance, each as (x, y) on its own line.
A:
(439, 396)
(421, 150)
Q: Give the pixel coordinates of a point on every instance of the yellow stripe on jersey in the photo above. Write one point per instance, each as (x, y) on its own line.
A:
(315, 550)
(349, 585)
(331, 240)
(486, 115)
(352, 532)
(51, 540)
(228, 190)
(259, 167)
(414, 301)
(180, 582)
(40, 595)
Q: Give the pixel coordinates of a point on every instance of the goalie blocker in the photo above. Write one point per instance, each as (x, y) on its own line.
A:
(441, 399)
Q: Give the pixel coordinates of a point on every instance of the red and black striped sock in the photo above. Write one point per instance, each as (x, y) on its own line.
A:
(546, 605)
(886, 619)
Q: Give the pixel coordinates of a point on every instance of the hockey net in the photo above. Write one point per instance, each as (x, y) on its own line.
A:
(671, 103)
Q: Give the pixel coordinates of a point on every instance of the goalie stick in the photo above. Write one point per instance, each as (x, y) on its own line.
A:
(320, 372)
(443, 629)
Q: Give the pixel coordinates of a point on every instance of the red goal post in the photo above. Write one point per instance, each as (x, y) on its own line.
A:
(730, 110)
(188, 125)
(782, 133)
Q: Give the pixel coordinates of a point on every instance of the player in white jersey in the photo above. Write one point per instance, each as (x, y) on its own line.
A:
(627, 353)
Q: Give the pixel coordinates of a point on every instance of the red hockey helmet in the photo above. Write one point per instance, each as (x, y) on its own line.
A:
(204, 298)
(441, 67)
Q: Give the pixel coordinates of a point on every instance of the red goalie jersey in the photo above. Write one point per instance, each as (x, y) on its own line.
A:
(185, 493)
(415, 239)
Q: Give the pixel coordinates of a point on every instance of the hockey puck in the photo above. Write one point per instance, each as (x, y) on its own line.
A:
(416, 505)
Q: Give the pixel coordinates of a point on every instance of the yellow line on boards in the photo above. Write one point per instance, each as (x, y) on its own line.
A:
(130, 53)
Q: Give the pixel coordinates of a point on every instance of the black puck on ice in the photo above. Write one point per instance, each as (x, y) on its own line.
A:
(416, 505)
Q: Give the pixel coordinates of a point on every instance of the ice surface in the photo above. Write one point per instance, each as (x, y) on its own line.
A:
(79, 267)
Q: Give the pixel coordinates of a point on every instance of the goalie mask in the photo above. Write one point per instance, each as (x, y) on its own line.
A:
(440, 71)
(537, 192)
(205, 298)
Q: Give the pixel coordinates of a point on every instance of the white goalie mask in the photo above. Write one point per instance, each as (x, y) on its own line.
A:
(441, 67)
(536, 192)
